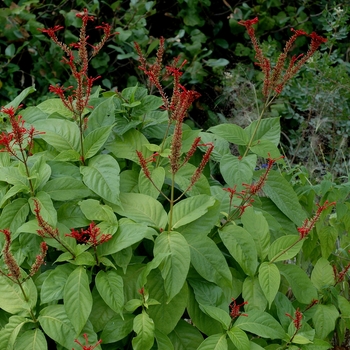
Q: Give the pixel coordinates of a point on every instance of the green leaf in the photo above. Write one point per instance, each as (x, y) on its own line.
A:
(174, 267)
(208, 261)
(102, 177)
(265, 149)
(166, 315)
(279, 248)
(279, 190)
(324, 320)
(144, 328)
(232, 133)
(117, 328)
(66, 188)
(221, 62)
(47, 210)
(40, 173)
(55, 105)
(31, 340)
(191, 209)
(110, 286)
(77, 298)
(145, 185)
(328, 236)
(301, 285)
(269, 129)
(13, 191)
(239, 338)
(252, 292)
(256, 224)
(14, 215)
(143, 209)
(185, 336)
(18, 100)
(322, 275)
(62, 134)
(102, 115)
(217, 314)
(53, 285)
(237, 171)
(241, 246)
(95, 140)
(9, 333)
(269, 279)
(262, 324)
(55, 323)
(94, 210)
(214, 342)
(163, 342)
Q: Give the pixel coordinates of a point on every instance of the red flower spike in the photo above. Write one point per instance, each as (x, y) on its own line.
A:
(339, 277)
(297, 319)
(235, 309)
(309, 224)
(9, 260)
(39, 261)
(46, 230)
(87, 346)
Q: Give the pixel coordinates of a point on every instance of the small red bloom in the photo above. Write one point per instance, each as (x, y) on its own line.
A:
(249, 22)
(297, 318)
(50, 31)
(234, 309)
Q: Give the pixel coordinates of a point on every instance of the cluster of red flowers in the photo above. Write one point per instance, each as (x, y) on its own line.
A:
(235, 309)
(275, 80)
(296, 319)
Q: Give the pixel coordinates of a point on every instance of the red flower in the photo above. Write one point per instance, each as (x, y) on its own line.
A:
(248, 23)
(91, 236)
(234, 309)
(50, 31)
(297, 318)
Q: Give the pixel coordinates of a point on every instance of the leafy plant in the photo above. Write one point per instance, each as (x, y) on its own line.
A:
(146, 247)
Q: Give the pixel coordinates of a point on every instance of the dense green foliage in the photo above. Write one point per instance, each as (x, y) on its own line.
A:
(157, 234)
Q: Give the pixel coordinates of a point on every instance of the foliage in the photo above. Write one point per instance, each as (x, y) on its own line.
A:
(157, 235)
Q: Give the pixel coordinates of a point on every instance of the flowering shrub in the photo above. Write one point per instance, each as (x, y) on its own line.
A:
(140, 245)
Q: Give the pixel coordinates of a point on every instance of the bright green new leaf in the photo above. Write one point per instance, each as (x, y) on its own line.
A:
(301, 285)
(262, 324)
(279, 249)
(31, 340)
(214, 342)
(232, 133)
(117, 328)
(143, 209)
(95, 140)
(217, 314)
(144, 328)
(191, 209)
(175, 266)
(101, 175)
(110, 286)
(241, 246)
(55, 323)
(77, 298)
(269, 279)
(239, 338)
(324, 320)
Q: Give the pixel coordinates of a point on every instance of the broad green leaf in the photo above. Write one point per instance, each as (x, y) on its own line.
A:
(232, 133)
(94, 210)
(190, 209)
(166, 315)
(70, 215)
(55, 105)
(252, 292)
(53, 285)
(322, 275)
(146, 186)
(31, 340)
(221, 62)
(117, 328)
(301, 285)
(143, 209)
(33, 114)
(14, 215)
(174, 267)
(13, 176)
(262, 324)
(63, 135)
(9, 333)
(239, 338)
(55, 323)
(144, 328)
(280, 191)
(128, 234)
(18, 99)
(237, 171)
(14, 190)
(110, 286)
(255, 223)
(102, 115)
(328, 236)
(66, 188)
(185, 336)
(214, 342)
(95, 140)
(285, 247)
(269, 279)
(129, 181)
(265, 149)
(101, 175)
(163, 342)
(208, 261)
(217, 314)
(148, 103)
(68, 156)
(317, 344)
(40, 173)
(47, 209)
(127, 145)
(324, 320)
(241, 246)
(269, 129)
(77, 298)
